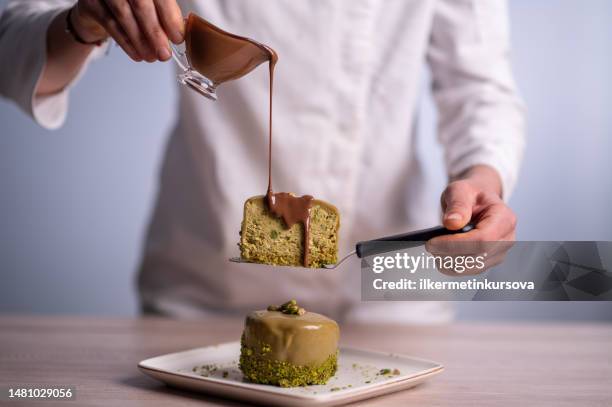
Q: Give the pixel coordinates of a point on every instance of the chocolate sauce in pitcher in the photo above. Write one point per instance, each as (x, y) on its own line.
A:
(222, 57)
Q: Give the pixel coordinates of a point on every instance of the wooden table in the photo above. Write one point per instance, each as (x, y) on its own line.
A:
(486, 364)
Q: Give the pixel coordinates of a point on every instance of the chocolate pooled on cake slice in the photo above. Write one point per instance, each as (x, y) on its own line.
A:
(266, 238)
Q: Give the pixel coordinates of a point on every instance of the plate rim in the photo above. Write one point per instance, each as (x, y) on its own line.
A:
(370, 388)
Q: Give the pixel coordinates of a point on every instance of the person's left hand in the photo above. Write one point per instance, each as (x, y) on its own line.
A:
(476, 196)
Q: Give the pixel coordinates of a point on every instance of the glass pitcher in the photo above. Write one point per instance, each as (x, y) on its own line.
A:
(210, 56)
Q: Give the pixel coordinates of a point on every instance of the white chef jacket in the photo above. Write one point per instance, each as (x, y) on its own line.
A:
(346, 91)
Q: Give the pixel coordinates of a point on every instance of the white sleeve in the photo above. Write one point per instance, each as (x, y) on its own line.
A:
(481, 117)
(23, 36)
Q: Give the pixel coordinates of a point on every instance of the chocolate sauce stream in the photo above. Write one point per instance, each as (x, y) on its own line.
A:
(284, 205)
(221, 57)
(271, 66)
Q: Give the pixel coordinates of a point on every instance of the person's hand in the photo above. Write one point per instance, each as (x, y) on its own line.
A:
(475, 196)
(141, 27)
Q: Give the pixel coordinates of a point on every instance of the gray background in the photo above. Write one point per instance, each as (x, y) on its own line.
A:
(75, 202)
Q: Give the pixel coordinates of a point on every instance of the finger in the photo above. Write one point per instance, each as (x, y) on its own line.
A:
(460, 244)
(106, 20)
(115, 31)
(122, 12)
(146, 16)
(497, 222)
(471, 243)
(86, 15)
(510, 237)
(490, 255)
(494, 260)
(457, 202)
(171, 18)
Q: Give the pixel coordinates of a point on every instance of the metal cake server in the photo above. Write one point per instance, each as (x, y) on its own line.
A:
(395, 242)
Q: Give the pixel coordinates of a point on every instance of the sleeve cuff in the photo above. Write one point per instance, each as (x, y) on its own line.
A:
(50, 111)
(506, 174)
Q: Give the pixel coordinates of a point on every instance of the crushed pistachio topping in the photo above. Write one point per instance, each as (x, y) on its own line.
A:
(388, 372)
(258, 368)
(290, 308)
(205, 370)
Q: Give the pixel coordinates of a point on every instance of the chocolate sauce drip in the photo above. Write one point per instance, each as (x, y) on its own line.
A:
(293, 209)
(284, 205)
(221, 57)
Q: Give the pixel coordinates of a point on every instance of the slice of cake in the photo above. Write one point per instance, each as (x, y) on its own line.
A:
(265, 238)
(288, 346)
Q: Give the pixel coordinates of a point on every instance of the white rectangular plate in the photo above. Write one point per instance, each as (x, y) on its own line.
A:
(214, 370)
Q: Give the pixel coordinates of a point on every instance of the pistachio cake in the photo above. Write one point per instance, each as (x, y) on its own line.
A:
(265, 238)
(288, 346)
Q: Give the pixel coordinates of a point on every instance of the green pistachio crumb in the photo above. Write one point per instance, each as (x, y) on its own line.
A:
(384, 371)
(334, 389)
(225, 373)
(290, 308)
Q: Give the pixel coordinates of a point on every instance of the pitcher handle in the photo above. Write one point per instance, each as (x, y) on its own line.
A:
(189, 76)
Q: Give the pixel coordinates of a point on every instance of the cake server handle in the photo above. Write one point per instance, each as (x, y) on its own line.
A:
(404, 240)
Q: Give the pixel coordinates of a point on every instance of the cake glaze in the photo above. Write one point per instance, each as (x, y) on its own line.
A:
(289, 350)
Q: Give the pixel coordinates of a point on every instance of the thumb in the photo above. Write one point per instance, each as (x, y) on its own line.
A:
(457, 202)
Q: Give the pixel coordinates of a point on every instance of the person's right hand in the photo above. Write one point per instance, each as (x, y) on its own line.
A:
(141, 27)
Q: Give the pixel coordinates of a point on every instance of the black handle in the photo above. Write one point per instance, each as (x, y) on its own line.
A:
(404, 240)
